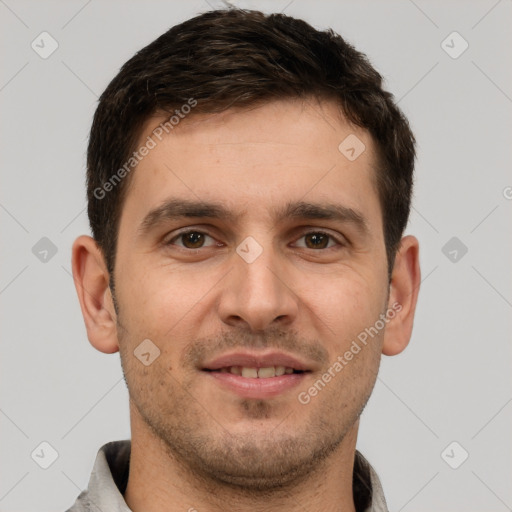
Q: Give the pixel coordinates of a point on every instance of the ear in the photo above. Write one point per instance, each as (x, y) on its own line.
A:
(92, 285)
(403, 296)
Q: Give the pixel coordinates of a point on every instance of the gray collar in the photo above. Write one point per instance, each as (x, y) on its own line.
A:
(110, 476)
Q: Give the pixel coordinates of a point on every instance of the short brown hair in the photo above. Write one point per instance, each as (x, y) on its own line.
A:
(235, 57)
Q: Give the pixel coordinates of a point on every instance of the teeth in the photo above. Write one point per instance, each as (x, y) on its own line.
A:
(264, 373)
(254, 373)
(280, 370)
(236, 370)
(250, 372)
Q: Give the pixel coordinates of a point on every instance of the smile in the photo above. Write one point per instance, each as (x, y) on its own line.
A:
(257, 373)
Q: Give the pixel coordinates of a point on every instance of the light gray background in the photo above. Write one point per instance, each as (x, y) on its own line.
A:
(453, 383)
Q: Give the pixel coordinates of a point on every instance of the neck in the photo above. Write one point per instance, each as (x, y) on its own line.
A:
(158, 481)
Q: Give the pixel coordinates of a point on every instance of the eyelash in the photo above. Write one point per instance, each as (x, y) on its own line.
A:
(171, 241)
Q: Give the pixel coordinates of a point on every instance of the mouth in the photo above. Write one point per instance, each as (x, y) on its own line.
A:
(266, 372)
(259, 376)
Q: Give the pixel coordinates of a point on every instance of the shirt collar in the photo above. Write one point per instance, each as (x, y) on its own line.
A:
(110, 475)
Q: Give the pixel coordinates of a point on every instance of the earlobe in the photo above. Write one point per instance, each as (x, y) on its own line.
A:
(403, 296)
(92, 285)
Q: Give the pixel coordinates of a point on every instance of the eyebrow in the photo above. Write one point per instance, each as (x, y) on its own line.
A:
(183, 208)
(173, 209)
(324, 211)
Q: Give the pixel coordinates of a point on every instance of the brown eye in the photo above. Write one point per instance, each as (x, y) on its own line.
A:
(319, 240)
(316, 240)
(193, 240)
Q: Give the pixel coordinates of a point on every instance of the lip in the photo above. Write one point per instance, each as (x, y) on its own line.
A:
(257, 360)
(257, 388)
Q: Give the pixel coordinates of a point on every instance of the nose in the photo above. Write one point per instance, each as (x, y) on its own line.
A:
(258, 294)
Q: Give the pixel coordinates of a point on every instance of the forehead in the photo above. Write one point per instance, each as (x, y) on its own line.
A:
(256, 159)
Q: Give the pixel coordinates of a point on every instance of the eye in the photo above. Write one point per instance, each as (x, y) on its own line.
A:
(192, 240)
(317, 240)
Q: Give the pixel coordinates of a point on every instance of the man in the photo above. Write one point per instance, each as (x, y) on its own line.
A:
(249, 182)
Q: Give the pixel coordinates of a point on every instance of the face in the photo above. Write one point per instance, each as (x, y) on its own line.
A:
(250, 244)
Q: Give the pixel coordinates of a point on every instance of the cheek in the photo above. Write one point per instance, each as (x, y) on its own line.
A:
(345, 307)
(157, 302)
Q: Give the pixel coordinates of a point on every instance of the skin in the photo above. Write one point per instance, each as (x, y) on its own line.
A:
(195, 444)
